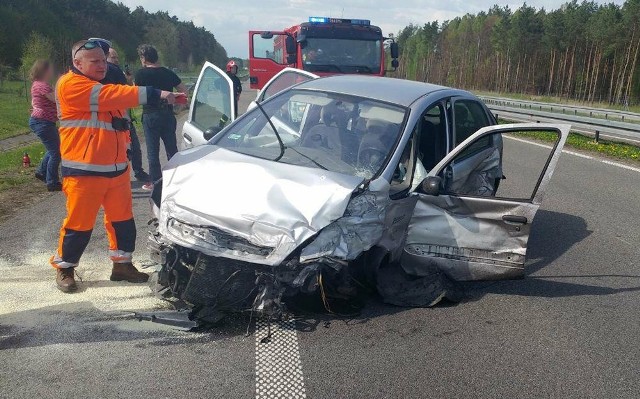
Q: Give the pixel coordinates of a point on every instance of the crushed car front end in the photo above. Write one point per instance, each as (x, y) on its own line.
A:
(235, 233)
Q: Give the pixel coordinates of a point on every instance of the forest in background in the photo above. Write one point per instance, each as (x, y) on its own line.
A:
(47, 28)
(581, 51)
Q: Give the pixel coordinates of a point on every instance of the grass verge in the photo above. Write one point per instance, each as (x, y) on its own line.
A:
(18, 186)
(14, 110)
(12, 173)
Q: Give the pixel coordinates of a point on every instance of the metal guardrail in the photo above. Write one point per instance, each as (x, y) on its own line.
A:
(519, 111)
(612, 130)
(576, 110)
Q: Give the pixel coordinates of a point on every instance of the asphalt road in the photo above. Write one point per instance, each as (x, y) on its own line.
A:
(569, 329)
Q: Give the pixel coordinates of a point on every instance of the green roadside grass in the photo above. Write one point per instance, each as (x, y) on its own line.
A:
(14, 109)
(12, 174)
(578, 141)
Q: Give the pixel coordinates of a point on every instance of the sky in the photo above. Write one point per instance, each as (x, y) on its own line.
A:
(231, 20)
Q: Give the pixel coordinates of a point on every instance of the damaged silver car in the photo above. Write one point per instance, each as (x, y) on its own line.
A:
(340, 183)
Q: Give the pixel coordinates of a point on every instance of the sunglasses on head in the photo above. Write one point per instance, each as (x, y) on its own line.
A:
(90, 45)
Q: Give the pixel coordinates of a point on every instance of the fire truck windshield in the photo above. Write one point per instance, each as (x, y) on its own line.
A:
(341, 55)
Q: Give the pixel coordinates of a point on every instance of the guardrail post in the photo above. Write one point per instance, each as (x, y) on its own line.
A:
(597, 138)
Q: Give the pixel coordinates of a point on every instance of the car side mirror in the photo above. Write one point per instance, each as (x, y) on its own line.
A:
(212, 131)
(266, 35)
(291, 45)
(431, 185)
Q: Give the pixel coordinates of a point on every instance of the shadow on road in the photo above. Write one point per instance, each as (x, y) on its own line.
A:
(553, 234)
(82, 322)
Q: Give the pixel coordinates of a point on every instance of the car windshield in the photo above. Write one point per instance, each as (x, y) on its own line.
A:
(344, 134)
(341, 55)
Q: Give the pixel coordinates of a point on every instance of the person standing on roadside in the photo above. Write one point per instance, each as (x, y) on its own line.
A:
(115, 75)
(158, 120)
(43, 123)
(93, 136)
(232, 71)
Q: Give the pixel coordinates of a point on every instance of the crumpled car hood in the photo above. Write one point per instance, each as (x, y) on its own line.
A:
(213, 199)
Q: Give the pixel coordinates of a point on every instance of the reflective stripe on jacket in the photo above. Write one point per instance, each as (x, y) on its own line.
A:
(89, 144)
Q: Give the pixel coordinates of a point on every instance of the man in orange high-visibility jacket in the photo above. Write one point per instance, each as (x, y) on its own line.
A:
(93, 145)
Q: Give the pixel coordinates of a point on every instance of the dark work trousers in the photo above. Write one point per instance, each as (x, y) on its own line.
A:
(159, 125)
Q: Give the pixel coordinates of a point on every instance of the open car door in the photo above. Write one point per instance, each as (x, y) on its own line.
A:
(281, 81)
(472, 223)
(212, 106)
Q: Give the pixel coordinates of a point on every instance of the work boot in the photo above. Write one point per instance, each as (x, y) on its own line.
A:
(65, 279)
(54, 187)
(127, 272)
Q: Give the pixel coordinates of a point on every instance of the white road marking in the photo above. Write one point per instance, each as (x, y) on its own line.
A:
(577, 154)
(278, 364)
(621, 165)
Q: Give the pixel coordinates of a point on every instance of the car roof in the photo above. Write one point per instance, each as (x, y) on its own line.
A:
(396, 91)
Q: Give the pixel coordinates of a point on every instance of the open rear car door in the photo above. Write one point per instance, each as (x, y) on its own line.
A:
(212, 106)
(281, 81)
(471, 222)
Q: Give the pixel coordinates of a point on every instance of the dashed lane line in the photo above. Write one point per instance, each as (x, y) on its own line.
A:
(278, 364)
(577, 154)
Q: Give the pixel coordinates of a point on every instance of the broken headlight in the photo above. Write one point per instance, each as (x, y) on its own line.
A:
(207, 236)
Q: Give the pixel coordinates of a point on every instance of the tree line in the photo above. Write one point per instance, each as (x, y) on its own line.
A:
(581, 51)
(48, 28)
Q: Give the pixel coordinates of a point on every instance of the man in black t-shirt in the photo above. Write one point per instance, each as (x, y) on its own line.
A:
(158, 121)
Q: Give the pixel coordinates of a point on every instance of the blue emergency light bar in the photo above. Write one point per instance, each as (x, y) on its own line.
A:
(326, 20)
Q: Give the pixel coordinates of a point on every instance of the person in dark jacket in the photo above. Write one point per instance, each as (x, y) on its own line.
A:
(232, 71)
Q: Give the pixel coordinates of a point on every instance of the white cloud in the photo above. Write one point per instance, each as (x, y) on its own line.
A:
(231, 20)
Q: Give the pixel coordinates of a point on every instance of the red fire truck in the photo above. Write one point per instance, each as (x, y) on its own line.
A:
(324, 46)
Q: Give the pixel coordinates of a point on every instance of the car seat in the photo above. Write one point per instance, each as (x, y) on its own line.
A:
(375, 144)
(325, 135)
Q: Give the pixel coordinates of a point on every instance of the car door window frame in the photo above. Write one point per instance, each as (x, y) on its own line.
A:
(536, 195)
(402, 189)
(261, 94)
(192, 110)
